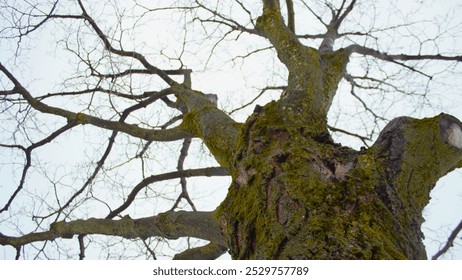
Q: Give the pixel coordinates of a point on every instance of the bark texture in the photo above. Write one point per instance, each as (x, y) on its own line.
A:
(301, 196)
(298, 195)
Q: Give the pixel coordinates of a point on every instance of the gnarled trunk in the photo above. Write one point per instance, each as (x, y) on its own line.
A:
(298, 195)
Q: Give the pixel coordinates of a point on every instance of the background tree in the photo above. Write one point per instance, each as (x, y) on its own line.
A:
(132, 80)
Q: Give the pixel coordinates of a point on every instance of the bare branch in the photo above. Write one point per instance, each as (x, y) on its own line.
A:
(257, 97)
(81, 247)
(342, 16)
(318, 17)
(327, 45)
(449, 243)
(360, 137)
(403, 57)
(33, 27)
(291, 15)
(123, 53)
(353, 93)
(210, 171)
(141, 71)
(246, 10)
(28, 163)
(184, 190)
(221, 19)
(201, 225)
(81, 118)
(210, 251)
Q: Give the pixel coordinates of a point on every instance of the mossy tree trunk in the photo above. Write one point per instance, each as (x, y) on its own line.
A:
(301, 196)
(298, 195)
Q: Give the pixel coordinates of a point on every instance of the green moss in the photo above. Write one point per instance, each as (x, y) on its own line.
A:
(325, 217)
(334, 66)
(80, 117)
(426, 159)
(218, 131)
(286, 200)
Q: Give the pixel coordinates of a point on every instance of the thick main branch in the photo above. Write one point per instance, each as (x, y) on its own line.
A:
(313, 76)
(417, 153)
(205, 121)
(170, 225)
(408, 158)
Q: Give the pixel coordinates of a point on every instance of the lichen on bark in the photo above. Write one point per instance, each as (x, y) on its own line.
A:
(296, 195)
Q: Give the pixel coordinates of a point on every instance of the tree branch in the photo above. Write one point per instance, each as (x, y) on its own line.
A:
(403, 57)
(210, 171)
(291, 15)
(221, 19)
(131, 54)
(271, 5)
(450, 242)
(171, 225)
(286, 43)
(28, 156)
(184, 189)
(360, 137)
(108, 150)
(172, 134)
(210, 251)
(204, 120)
(417, 153)
(327, 44)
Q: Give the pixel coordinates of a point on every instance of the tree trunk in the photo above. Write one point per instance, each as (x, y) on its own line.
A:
(298, 195)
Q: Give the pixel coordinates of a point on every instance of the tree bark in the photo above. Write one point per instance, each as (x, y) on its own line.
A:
(298, 196)
(170, 225)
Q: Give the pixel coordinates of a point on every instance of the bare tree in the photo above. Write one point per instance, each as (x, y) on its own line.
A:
(132, 101)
